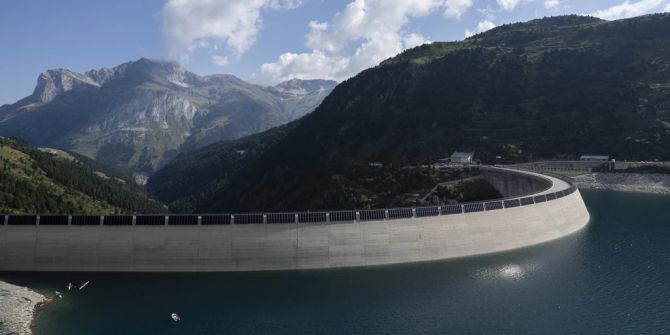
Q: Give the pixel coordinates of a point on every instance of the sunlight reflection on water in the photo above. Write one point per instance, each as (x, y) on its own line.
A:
(609, 278)
(509, 272)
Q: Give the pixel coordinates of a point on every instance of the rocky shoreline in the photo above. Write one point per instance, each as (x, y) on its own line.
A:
(627, 182)
(17, 306)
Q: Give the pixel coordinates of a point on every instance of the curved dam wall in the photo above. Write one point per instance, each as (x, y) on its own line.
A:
(214, 243)
(514, 183)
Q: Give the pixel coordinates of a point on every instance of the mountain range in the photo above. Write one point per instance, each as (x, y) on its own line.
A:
(141, 114)
(552, 88)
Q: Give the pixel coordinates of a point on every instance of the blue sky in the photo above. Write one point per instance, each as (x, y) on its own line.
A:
(262, 41)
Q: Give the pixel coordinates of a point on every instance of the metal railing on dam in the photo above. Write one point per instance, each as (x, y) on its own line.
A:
(340, 216)
(548, 209)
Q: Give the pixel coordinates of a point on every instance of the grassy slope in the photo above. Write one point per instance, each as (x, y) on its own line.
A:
(34, 181)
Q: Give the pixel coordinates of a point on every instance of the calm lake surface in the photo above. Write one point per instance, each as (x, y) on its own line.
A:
(613, 277)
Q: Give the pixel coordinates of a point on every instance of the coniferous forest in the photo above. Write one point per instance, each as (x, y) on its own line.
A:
(553, 88)
(54, 181)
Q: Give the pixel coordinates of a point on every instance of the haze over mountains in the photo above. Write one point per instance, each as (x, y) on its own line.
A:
(141, 114)
(545, 89)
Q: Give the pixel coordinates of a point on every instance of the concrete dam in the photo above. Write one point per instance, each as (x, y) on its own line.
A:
(536, 208)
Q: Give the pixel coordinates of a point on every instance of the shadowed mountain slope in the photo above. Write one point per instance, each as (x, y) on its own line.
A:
(549, 88)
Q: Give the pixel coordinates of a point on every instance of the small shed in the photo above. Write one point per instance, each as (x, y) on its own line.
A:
(462, 157)
(595, 158)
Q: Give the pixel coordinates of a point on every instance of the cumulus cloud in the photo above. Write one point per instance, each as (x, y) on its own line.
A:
(551, 4)
(482, 26)
(315, 64)
(508, 4)
(219, 60)
(456, 8)
(414, 40)
(285, 4)
(363, 34)
(628, 9)
(192, 24)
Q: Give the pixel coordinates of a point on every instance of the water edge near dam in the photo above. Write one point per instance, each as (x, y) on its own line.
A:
(541, 208)
(610, 277)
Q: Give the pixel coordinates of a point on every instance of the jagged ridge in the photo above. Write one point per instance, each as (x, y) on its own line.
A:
(141, 114)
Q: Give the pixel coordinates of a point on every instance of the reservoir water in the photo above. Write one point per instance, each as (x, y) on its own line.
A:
(613, 277)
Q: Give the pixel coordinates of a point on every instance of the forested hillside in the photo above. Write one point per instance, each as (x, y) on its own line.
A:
(53, 181)
(550, 88)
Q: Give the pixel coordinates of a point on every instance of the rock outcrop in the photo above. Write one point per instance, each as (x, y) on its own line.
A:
(17, 305)
(628, 182)
(141, 114)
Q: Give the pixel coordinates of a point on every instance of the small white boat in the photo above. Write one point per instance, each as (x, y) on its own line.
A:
(175, 317)
(69, 286)
(59, 295)
(84, 285)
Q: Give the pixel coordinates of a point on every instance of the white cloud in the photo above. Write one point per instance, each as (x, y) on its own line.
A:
(219, 60)
(667, 8)
(316, 25)
(363, 34)
(482, 26)
(551, 4)
(192, 24)
(508, 4)
(307, 65)
(456, 8)
(628, 9)
(414, 40)
(285, 4)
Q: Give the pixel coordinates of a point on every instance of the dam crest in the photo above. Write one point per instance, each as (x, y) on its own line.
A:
(536, 208)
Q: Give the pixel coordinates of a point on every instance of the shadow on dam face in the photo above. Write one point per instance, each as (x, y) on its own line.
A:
(515, 183)
(550, 208)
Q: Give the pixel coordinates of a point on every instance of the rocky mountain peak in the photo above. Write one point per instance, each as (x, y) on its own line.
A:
(159, 69)
(223, 79)
(51, 83)
(299, 87)
(147, 111)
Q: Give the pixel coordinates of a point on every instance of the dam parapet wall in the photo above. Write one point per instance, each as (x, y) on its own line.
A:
(274, 241)
(510, 183)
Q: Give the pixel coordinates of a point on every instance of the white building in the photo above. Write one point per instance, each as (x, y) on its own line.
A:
(594, 158)
(462, 157)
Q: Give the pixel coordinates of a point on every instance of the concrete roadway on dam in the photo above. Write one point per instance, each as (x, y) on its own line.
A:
(556, 183)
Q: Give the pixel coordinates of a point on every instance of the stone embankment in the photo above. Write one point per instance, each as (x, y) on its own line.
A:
(628, 182)
(17, 305)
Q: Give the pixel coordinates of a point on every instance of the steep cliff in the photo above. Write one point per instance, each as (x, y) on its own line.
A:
(141, 114)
